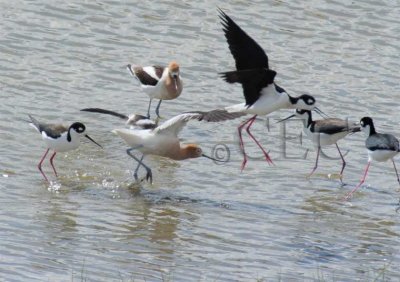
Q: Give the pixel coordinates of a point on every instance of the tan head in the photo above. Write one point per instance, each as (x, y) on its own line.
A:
(192, 151)
(173, 68)
(174, 84)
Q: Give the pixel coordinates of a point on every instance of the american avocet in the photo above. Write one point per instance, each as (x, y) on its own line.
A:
(262, 95)
(381, 147)
(59, 138)
(134, 121)
(325, 132)
(164, 141)
(159, 82)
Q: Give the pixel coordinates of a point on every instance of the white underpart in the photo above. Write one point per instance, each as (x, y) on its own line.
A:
(159, 91)
(322, 139)
(381, 155)
(61, 144)
(149, 142)
(269, 101)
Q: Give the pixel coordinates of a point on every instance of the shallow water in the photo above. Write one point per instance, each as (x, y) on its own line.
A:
(199, 221)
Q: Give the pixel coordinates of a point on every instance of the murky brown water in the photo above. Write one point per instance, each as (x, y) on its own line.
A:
(199, 221)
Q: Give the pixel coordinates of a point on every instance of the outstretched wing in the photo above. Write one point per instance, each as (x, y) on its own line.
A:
(174, 125)
(107, 112)
(137, 121)
(245, 50)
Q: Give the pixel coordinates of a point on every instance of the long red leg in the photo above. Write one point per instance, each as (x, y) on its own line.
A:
(343, 163)
(40, 165)
(362, 181)
(395, 169)
(51, 162)
(316, 163)
(241, 143)
(268, 159)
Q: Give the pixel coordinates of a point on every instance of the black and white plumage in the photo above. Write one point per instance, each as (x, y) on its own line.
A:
(158, 82)
(262, 95)
(325, 132)
(59, 138)
(134, 121)
(253, 72)
(381, 147)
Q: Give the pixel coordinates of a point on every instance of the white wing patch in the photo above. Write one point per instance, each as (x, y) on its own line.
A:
(151, 71)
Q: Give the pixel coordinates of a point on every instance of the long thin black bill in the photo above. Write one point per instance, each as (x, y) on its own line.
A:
(289, 117)
(88, 137)
(211, 158)
(321, 113)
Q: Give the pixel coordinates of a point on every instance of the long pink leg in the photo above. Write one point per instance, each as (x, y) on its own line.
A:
(240, 128)
(255, 140)
(395, 169)
(343, 163)
(362, 181)
(316, 163)
(51, 162)
(40, 165)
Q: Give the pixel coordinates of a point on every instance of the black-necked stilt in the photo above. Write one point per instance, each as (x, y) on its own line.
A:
(325, 132)
(381, 147)
(159, 82)
(164, 141)
(262, 95)
(134, 121)
(59, 139)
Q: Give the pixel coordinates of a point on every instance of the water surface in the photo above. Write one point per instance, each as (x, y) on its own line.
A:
(199, 221)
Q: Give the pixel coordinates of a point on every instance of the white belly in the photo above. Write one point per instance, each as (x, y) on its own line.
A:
(266, 104)
(381, 155)
(147, 142)
(322, 139)
(61, 144)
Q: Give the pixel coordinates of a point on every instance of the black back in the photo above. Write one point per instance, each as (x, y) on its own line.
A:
(379, 141)
(52, 130)
(253, 81)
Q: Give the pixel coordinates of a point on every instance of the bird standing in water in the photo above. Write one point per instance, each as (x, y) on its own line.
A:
(59, 139)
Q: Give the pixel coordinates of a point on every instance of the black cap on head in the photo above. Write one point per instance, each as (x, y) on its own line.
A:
(308, 99)
(366, 121)
(78, 127)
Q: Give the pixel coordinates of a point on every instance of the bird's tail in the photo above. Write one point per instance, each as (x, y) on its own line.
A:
(34, 123)
(129, 136)
(130, 67)
(107, 112)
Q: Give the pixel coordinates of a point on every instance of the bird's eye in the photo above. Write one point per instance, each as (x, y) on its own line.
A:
(310, 101)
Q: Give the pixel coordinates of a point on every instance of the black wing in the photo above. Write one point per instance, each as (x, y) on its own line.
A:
(332, 126)
(382, 142)
(245, 50)
(52, 130)
(102, 111)
(253, 81)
